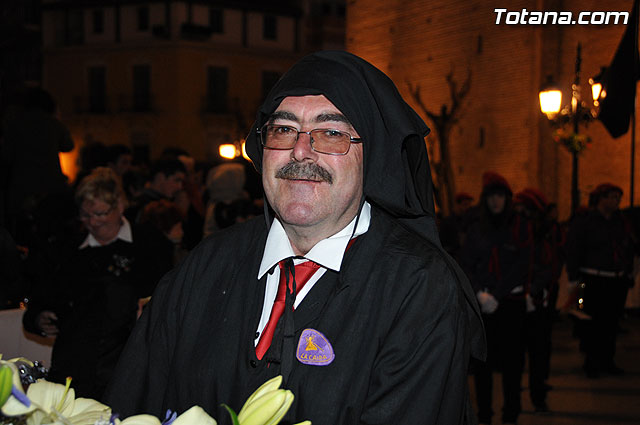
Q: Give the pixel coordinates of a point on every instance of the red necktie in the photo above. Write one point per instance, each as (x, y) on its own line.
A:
(303, 272)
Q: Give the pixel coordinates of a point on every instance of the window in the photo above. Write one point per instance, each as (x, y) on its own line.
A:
(143, 18)
(75, 27)
(97, 89)
(217, 89)
(141, 88)
(216, 20)
(269, 79)
(270, 27)
(98, 21)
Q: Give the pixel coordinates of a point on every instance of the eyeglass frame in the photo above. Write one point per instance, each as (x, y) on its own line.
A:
(83, 215)
(261, 132)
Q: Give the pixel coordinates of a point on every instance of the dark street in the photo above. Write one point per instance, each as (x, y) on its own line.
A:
(577, 400)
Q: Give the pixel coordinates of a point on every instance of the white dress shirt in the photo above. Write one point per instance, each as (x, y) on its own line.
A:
(327, 253)
(124, 233)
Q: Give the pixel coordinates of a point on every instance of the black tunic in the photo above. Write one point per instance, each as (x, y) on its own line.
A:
(395, 316)
(600, 243)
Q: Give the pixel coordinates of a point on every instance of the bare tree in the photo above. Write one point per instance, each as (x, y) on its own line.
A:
(443, 124)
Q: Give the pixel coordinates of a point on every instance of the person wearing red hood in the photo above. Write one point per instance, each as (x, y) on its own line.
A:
(496, 256)
(546, 267)
(342, 287)
(600, 263)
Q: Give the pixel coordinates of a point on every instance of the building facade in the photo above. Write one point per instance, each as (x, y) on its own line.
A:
(500, 126)
(167, 73)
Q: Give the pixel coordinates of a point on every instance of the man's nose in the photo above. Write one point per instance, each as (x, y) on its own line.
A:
(302, 149)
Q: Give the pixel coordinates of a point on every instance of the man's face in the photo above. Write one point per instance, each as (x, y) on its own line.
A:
(496, 202)
(610, 202)
(170, 185)
(123, 164)
(326, 199)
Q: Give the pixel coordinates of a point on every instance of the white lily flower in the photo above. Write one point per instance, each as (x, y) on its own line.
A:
(195, 416)
(56, 403)
(267, 405)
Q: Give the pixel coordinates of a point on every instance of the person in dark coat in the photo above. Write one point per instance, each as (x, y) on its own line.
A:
(30, 171)
(543, 282)
(382, 332)
(497, 256)
(453, 228)
(166, 180)
(90, 303)
(600, 263)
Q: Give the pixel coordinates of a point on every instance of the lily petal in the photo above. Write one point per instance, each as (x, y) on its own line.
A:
(88, 404)
(48, 395)
(193, 416)
(140, 420)
(87, 412)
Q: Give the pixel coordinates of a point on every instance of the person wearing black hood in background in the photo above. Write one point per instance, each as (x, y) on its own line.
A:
(497, 257)
(382, 333)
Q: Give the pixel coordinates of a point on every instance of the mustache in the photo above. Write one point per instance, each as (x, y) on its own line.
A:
(304, 171)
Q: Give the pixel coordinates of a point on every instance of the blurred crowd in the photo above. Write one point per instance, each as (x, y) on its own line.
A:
(83, 257)
(513, 249)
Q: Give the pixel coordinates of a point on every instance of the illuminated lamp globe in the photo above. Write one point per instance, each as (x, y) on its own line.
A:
(227, 151)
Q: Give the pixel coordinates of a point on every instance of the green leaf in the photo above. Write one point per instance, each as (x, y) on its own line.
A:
(234, 417)
(6, 383)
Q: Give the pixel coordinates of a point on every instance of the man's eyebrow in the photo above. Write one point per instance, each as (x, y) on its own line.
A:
(331, 116)
(321, 118)
(283, 115)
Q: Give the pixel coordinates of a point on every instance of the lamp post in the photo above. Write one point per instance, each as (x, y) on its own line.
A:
(571, 115)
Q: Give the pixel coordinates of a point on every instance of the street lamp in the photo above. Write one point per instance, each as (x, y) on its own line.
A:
(233, 150)
(571, 115)
(597, 91)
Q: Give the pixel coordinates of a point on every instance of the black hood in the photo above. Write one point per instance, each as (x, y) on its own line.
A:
(397, 177)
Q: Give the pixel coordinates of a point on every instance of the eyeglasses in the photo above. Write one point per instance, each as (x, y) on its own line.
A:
(323, 140)
(98, 214)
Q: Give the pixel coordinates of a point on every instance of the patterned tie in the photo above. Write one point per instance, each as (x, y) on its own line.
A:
(303, 273)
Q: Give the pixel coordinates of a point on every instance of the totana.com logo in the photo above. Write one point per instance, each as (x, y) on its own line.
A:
(525, 17)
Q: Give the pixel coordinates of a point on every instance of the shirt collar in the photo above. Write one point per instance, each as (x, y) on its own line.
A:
(124, 233)
(328, 252)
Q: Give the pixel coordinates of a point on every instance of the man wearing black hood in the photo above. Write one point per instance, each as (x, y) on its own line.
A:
(382, 331)
(497, 256)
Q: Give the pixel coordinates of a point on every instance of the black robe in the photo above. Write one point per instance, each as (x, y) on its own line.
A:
(395, 315)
